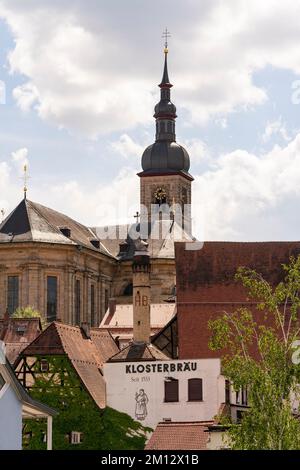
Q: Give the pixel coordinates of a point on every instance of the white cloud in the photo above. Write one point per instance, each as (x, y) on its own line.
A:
(20, 159)
(198, 150)
(273, 128)
(92, 67)
(127, 147)
(249, 197)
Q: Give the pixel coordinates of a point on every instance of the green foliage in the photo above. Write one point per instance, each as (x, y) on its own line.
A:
(272, 380)
(61, 389)
(28, 312)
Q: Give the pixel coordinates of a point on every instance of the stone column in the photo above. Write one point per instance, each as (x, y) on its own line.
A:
(33, 286)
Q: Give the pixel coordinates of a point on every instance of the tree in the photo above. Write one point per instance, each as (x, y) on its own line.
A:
(29, 312)
(272, 375)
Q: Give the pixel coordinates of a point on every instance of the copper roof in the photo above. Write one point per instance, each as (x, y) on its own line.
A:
(17, 334)
(87, 355)
(30, 221)
(179, 436)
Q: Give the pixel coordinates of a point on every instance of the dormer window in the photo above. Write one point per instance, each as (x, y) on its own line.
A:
(95, 243)
(21, 330)
(66, 231)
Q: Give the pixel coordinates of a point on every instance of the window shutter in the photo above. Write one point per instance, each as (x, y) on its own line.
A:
(195, 392)
(171, 390)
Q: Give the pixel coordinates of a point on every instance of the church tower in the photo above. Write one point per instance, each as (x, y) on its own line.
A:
(165, 179)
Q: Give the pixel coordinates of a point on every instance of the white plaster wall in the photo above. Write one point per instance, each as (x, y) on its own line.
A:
(10, 420)
(122, 387)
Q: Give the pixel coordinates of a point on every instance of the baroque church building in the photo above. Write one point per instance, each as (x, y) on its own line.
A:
(70, 272)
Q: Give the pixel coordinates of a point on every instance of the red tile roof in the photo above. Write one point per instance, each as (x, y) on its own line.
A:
(17, 334)
(206, 286)
(87, 355)
(179, 436)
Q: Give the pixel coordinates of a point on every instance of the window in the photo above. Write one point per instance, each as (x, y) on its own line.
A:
(239, 416)
(2, 382)
(76, 437)
(171, 390)
(12, 294)
(51, 298)
(44, 365)
(92, 305)
(128, 289)
(195, 392)
(227, 392)
(242, 396)
(77, 302)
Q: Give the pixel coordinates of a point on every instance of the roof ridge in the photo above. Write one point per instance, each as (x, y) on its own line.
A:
(32, 344)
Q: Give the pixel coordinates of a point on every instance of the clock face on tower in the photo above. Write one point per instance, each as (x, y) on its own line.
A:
(160, 195)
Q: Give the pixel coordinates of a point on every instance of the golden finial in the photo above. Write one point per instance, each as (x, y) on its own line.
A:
(166, 34)
(25, 169)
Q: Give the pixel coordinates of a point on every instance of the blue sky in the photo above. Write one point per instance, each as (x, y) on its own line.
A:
(81, 84)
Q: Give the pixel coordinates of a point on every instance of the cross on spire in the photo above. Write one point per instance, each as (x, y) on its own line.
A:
(166, 35)
(137, 217)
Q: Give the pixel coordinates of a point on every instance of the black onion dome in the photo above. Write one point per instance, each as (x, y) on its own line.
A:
(167, 156)
(165, 108)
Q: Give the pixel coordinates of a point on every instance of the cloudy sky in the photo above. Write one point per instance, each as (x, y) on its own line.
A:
(79, 83)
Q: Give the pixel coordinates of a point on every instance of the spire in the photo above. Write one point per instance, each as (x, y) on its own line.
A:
(165, 110)
(165, 82)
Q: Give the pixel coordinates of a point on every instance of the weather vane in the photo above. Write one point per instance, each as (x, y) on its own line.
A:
(166, 35)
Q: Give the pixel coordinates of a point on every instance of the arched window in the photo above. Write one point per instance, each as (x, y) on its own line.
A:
(195, 391)
(128, 289)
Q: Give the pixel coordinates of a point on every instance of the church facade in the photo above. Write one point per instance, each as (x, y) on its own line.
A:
(69, 272)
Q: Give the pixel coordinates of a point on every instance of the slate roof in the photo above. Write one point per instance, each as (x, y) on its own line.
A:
(86, 354)
(17, 334)
(179, 436)
(160, 235)
(32, 222)
(139, 352)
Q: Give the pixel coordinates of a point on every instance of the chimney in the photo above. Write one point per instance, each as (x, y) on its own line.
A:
(85, 326)
(141, 268)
